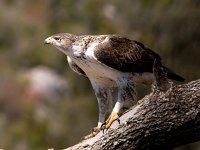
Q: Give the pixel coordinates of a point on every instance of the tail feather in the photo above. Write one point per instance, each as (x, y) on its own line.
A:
(172, 75)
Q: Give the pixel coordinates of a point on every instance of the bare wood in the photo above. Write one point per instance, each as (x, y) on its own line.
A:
(161, 120)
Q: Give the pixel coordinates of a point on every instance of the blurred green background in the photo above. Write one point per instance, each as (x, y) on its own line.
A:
(44, 104)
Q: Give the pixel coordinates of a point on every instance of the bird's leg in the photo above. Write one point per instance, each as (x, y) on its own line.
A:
(102, 93)
(97, 129)
(115, 114)
(126, 97)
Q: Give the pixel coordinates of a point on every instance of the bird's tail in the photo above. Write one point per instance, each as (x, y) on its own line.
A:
(171, 75)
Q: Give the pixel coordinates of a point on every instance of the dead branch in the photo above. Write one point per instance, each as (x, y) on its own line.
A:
(161, 120)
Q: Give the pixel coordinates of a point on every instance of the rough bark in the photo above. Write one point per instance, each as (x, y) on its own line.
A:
(161, 120)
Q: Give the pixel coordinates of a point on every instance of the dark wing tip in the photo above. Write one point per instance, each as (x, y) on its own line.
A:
(160, 74)
(174, 76)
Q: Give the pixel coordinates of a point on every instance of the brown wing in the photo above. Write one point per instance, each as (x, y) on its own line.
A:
(126, 55)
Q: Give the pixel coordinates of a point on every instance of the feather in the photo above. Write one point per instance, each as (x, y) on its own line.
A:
(125, 55)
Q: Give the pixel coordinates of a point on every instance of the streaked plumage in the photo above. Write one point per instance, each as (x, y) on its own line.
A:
(110, 61)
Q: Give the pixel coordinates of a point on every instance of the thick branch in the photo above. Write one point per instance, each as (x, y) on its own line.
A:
(161, 120)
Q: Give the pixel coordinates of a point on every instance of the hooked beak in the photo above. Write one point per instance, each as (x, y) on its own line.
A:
(47, 40)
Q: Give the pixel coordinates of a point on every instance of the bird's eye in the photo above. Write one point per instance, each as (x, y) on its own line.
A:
(57, 39)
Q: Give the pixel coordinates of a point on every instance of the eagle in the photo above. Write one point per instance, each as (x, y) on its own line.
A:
(110, 62)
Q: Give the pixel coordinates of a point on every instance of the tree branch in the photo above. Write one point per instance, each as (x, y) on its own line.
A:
(161, 120)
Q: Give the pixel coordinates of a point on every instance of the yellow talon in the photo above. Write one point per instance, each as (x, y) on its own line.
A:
(94, 132)
(113, 116)
(89, 136)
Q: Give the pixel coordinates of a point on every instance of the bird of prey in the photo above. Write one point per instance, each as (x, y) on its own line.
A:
(110, 61)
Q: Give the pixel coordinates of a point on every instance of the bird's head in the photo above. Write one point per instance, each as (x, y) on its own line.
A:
(62, 41)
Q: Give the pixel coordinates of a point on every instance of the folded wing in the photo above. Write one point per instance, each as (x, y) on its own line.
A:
(125, 55)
